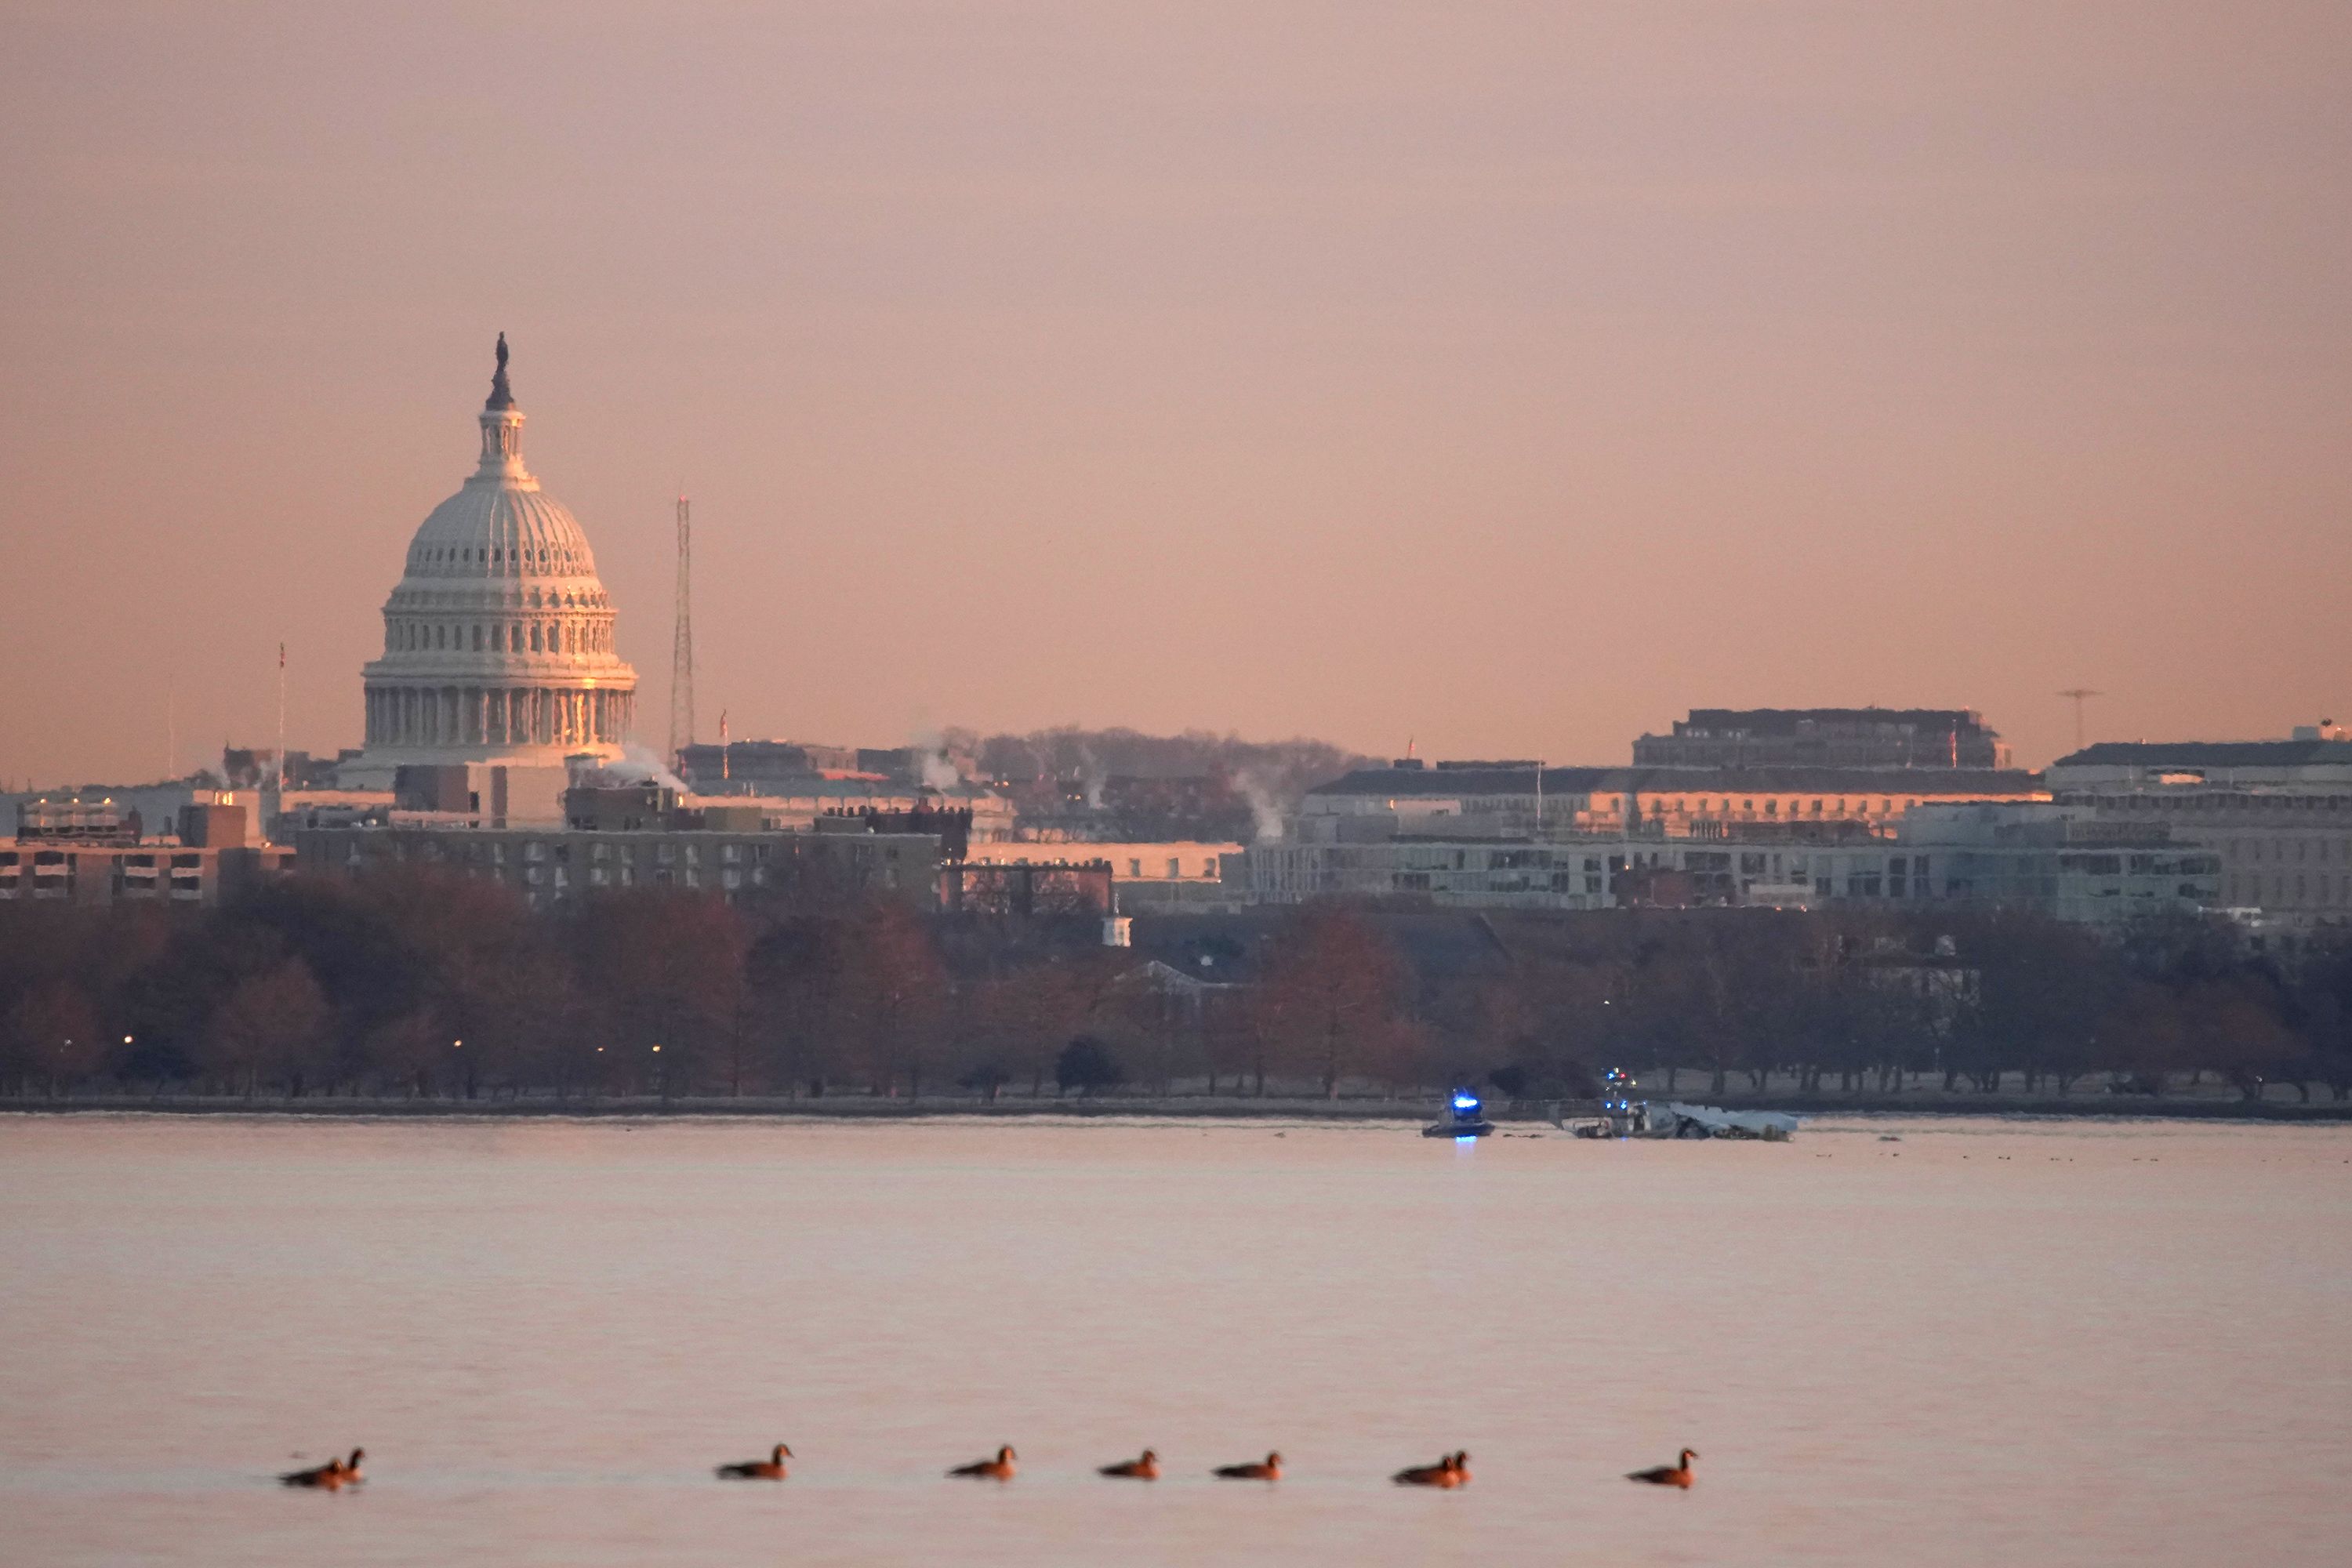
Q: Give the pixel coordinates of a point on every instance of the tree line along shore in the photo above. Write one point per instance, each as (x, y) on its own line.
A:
(414, 987)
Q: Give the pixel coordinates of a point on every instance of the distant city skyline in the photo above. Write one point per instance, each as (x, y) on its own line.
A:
(1368, 377)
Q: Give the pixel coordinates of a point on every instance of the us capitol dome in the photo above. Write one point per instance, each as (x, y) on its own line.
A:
(498, 642)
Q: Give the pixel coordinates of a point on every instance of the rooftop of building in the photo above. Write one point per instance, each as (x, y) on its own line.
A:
(2292, 753)
(1443, 781)
(1800, 720)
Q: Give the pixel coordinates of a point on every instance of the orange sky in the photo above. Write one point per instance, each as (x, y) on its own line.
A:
(1511, 377)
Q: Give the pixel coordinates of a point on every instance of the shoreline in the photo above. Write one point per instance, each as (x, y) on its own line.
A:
(2135, 1108)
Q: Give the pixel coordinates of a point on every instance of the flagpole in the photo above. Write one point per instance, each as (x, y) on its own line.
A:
(281, 727)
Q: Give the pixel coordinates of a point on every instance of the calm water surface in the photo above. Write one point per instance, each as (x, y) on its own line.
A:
(1991, 1341)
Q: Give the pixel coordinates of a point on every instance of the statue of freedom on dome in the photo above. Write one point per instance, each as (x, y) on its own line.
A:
(501, 395)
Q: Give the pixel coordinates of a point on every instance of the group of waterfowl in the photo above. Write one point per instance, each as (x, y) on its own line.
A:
(1451, 1470)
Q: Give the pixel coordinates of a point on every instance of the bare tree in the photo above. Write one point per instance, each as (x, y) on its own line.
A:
(664, 969)
(270, 1026)
(1329, 999)
(893, 992)
(53, 1033)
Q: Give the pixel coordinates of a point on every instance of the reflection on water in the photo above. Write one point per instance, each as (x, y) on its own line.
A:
(1988, 1342)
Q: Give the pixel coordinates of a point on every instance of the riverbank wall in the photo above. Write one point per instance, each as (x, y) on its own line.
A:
(875, 1108)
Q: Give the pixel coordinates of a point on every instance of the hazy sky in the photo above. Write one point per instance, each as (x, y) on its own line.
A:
(1510, 377)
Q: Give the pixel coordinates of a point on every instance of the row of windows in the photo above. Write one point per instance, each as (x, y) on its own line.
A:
(1703, 805)
(2252, 849)
(2274, 890)
(497, 555)
(498, 852)
(2234, 801)
(549, 637)
(1721, 805)
(45, 857)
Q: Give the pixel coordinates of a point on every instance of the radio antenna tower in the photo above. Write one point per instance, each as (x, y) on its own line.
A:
(681, 654)
(2080, 694)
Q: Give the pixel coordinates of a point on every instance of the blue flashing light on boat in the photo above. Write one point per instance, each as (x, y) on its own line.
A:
(1463, 1119)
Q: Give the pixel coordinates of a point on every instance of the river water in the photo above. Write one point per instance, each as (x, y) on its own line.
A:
(1991, 1341)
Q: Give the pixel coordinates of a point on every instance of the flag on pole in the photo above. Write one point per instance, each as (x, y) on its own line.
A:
(281, 721)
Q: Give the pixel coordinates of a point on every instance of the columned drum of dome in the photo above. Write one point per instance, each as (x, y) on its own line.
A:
(498, 642)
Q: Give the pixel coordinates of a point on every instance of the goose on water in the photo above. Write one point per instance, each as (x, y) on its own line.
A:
(1451, 1470)
(998, 1468)
(770, 1468)
(1675, 1475)
(331, 1475)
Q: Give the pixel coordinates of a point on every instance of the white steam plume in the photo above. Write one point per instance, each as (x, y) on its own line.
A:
(1262, 807)
(637, 764)
(1092, 771)
(932, 760)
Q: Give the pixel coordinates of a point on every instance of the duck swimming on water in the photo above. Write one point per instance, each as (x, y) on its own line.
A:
(1449, 1471)
(770, 1468)
(1674, 1475)
(1145, 1469)
(1271, 1470)
(998, 1468)
(333, 1474)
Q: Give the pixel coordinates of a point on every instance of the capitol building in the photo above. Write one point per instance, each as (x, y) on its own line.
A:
(498, 641)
